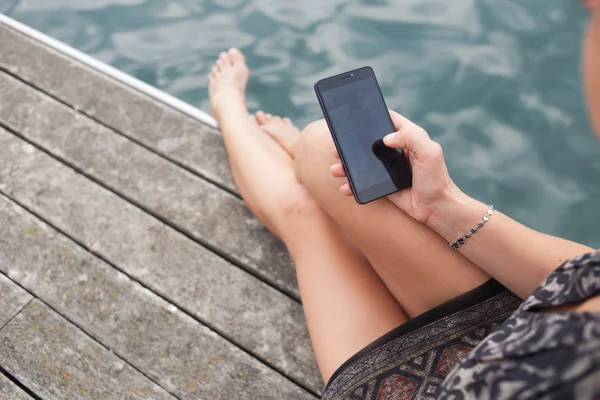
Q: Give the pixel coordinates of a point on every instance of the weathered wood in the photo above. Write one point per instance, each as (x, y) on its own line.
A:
(253, 315)
(206, 212)
(12, 299)
(10, 391)
(171, 348)
(55, 360)
(157, 126)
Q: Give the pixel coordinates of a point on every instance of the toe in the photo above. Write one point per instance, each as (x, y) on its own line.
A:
(236, 55)
(220, 64)
(226, 58)
(287, 121)
(269, 116)
(261, 118)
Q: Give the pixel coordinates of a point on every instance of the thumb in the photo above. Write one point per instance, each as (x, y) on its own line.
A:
(412, 138)
(399, 121)
(395, 140)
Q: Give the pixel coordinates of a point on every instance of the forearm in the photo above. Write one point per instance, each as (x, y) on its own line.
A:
(518, 257)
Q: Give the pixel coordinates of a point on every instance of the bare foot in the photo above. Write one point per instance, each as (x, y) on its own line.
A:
(279, 129)
(227, 81)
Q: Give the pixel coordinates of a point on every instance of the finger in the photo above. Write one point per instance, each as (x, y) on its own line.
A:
(399, 120)
(412, 138)
(336, 154)
(418, 144)
(345, 190)
(337, 170)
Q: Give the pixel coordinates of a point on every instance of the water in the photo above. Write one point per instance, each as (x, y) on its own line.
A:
(496, 82)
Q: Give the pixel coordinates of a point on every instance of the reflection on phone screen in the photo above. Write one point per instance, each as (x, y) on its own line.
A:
(394, 162)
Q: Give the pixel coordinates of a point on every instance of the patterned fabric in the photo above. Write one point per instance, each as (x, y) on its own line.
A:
(413, 360)
(477, 350)
(537, 354)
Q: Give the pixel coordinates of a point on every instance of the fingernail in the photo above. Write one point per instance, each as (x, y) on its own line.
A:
(389, 138)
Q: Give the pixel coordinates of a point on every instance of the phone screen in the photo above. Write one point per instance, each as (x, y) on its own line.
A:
(358, 118)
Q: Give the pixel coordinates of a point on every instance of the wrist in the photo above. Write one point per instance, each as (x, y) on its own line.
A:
(455, 214)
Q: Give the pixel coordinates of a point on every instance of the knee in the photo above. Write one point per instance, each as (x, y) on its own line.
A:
(314, 150)
(314, 137)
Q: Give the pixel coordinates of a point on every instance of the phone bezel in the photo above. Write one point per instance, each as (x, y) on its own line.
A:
(344, 79)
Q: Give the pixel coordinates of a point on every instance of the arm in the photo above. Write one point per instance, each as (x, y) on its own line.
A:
(518, 257)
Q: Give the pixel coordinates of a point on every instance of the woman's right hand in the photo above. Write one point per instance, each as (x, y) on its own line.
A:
(431, 188)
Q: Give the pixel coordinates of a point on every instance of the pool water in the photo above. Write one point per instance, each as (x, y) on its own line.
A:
(496, 82)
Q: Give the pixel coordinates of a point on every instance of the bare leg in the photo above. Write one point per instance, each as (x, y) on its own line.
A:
(416, 264)
(346, 305)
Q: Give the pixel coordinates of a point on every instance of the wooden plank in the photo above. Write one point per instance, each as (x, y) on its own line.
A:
(55, 360)
(154, 124)
(183, 356)
(10, 391)
(205, 212)
(249, 312)
(12, 299)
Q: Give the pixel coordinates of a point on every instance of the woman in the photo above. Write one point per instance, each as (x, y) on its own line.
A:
(393, 311)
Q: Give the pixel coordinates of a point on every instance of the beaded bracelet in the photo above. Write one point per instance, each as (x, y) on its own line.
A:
(463, 239)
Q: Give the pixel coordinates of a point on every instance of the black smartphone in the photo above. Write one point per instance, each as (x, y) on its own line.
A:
(358, 119)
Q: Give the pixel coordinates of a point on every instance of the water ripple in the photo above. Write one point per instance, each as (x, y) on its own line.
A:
(53, 5)
(497, 82)
(172, 40)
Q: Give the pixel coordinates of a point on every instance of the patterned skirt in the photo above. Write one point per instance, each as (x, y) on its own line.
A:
(411, 361)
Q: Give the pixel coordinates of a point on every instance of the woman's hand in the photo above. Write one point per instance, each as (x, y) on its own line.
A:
(432, 186)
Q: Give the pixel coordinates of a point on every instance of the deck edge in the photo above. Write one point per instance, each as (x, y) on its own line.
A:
(112, 72)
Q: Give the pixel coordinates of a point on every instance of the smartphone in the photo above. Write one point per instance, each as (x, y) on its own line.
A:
(358, 119)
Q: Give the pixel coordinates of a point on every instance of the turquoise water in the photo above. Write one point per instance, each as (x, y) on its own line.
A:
(496, 82)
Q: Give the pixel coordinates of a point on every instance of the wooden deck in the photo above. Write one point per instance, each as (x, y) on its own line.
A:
(129, 266)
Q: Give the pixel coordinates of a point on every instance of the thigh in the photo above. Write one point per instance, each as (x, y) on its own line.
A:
(415, 263)
(346, 304)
